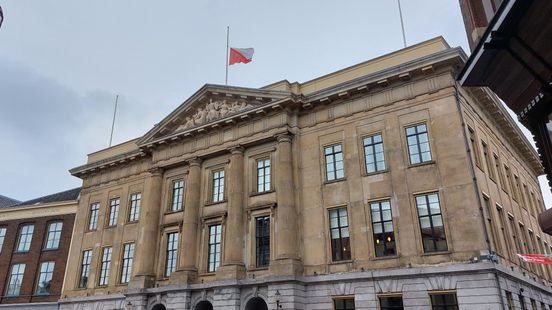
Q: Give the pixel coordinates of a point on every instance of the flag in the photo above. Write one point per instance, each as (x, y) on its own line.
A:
(243, 55)
(1, 16)
(536, 258)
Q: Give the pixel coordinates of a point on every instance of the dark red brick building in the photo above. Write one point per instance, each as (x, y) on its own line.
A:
(34, 243)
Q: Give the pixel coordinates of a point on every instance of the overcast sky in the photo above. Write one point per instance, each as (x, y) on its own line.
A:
(62, 62)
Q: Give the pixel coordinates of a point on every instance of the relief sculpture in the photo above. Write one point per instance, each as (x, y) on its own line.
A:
(215, 109)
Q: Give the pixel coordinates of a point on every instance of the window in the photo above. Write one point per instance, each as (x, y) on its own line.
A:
(533, 304)
(473, 144)
(218, 185)
(444, 301)
(172, 253)
(344, 304)
(134, 212)
(517, 190)
(85, 268)
(522, 302)
(503, 228)
(53, 235)
(339, 227)
(523, 238)
(25, 237)
(510, 182)
(263, 175)
(113, 212)
(93, 221)
(16, 278)
(509, 300)
(391, 302)
(498, 170)
(213, 260)
(490, 170)
(333, 155)
(491, 227)
(128, 255)
(104, 270)
(2, 237)
(45, 278)
(419, 150)
(177, 195)
(373, 153)
(382, 225)
(431, 223)
(262, 241)
(513, 231)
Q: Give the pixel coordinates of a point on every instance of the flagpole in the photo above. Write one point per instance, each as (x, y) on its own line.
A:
(402, 23)
(227, 46)
(113, 123)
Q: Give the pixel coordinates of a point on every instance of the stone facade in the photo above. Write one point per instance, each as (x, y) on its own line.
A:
(204, 187)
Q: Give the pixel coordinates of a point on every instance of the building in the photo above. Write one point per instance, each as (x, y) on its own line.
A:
(380, 186)
(512, 55)
(34, 243)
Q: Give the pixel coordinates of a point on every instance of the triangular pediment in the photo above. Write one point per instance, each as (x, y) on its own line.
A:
(209, 105)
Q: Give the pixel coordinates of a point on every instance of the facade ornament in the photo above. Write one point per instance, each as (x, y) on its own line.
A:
(214, 110)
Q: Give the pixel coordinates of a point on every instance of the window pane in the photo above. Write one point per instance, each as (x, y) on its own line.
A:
(45, 278)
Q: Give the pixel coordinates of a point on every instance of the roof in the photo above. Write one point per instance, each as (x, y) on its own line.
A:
(7, 201)
(72, 194)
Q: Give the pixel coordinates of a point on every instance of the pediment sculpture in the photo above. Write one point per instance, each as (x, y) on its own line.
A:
(213, 110)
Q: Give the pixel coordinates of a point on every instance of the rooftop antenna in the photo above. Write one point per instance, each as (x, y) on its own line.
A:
(113, 123)
(402, 23)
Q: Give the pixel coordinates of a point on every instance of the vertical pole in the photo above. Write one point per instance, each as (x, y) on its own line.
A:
(113, 123)
(227, 47)
(402, 23)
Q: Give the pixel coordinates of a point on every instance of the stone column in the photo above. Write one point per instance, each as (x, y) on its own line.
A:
(187, 269)
(287, 259)
(233, 265)
(148, 233)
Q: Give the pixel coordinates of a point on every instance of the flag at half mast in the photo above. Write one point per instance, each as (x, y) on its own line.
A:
(243, 55)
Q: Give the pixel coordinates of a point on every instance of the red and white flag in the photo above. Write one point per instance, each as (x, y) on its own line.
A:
(536, 258)
(1, 16)
(243, 55)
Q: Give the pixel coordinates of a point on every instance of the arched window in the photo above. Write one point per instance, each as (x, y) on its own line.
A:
(204, 305)
(159, 307)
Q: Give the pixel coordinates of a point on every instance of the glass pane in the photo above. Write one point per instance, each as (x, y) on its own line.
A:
(378, 228)
(377, 138)
(410, 130)
(412, 141)
(388, 226)
(344, 232)
(422, 128)
(337, 148)
(386, 215)
(424, 222)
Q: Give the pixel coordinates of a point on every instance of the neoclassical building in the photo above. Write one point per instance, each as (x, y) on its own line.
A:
(384, 185)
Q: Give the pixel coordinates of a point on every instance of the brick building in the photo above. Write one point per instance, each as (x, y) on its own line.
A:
(35, 236)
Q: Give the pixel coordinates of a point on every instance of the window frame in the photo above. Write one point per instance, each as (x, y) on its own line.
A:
(430, 216)
(20, 278)
(334, 161)
(47, 273)
(172, 247)
(373, 146)
(333, 254)
(257, 237)
(112, 217)
(93, 216)
(216, 264)
(382, 222)
(474, 147)
(28, 244)
(82, 269)
(441, 293)
(47, 237)
(488, 161)
(177, 195)
(390, 295)
(258, 176)
(220, 195)
(417, 135)
(126, 263)
(3, 229)
(343, 298)
(105, 266)
(134, 209)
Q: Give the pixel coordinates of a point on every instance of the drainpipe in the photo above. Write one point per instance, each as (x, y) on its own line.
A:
(476, 187)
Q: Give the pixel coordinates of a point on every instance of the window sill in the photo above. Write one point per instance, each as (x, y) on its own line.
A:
(91, 230)
(385, 257)
(253, 194)
(368, 174)
(207, 274)
(425, 163)
(335, 181)
(436, 253)
(341, 262)
(21, 252)
(50, 250)
(211, 203)
(133, 222)
(258, 268)
(173, 212)
(110, 226)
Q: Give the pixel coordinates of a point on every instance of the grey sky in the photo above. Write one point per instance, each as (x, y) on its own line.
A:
(63, 61)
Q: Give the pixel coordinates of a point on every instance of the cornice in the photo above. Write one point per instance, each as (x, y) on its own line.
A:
(116, 160)
(39, 210)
